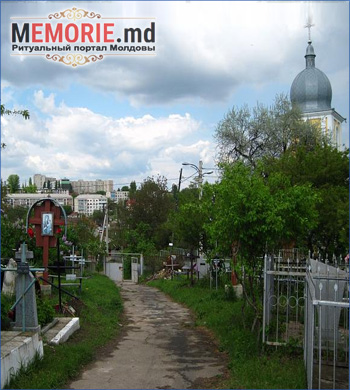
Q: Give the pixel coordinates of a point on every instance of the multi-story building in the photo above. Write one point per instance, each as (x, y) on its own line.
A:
(91, 186)
(41, 181)
(88, 203)
(118, 196)
(27, 200)
(66, 184)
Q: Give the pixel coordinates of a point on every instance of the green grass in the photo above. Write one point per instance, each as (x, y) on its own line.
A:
(249, 366)
(98, 324)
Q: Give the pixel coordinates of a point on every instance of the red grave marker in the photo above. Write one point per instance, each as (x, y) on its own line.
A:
(46, 238)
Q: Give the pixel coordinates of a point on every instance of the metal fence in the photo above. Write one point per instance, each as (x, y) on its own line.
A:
(283, 306)
(326, 343)
(306, 304)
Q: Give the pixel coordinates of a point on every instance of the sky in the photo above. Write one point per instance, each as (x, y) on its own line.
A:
(129, 117)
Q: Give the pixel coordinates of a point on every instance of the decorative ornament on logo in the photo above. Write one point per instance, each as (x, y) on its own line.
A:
(74, 59)
(74, 14)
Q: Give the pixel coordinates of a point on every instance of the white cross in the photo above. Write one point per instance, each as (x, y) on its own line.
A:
(309, 25)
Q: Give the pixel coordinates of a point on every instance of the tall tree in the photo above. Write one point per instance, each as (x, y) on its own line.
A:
(13, 183)
(132, 190)
(326, 169)
(253, 214)
(249, 134)
(151, 206)
(30, 189)
(4, 191)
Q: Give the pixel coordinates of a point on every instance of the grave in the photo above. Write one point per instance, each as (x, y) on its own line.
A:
(9, 284)
(26, 310)
(330, 284)
(47, 221)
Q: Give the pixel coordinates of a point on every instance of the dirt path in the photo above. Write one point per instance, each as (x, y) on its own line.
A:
(159, 348)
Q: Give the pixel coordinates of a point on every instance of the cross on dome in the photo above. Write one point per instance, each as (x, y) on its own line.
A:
(308, 25)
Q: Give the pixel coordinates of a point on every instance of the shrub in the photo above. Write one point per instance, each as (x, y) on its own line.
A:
(6, 302)
(46, 312)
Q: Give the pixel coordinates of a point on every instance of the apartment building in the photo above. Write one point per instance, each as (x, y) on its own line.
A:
(88, 203)
(118, 196)
(91, 186)
(40, 180)
(27, 200)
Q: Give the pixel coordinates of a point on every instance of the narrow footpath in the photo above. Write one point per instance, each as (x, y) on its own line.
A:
(159, 348)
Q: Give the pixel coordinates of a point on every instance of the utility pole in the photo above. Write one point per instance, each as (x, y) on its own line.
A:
(178, 191)
(200, 179)
(107, 222)
(180, 178)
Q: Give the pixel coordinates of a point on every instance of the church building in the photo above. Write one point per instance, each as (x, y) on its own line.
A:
(311, 90)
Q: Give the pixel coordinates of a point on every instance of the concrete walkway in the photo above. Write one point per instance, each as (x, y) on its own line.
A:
(159, 348)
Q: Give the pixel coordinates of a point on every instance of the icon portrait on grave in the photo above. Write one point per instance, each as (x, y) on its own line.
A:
(47, 224)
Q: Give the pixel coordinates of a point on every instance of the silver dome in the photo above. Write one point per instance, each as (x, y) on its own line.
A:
(311, 89)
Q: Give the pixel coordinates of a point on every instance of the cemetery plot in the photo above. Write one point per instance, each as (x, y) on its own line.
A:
(306, 305)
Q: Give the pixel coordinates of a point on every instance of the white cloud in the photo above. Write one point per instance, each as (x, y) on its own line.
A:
(205, 49)
(206, 53)
(44, 104)
(79, 143)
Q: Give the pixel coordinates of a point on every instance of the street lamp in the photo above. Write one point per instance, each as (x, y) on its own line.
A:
(200, 175)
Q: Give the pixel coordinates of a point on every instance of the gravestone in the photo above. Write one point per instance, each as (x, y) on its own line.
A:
(26, 309)
(330, 284)
(9, 284)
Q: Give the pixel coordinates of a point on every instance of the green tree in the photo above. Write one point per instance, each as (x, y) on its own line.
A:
(187, 220)
(188, 224)
(4, 191)
(96, 248)
(326, 169)
(98, 217)
(68, 209)
(13, 232)
(253, 214)
(13, 183)
(132, 190)
(119, 226)
(30, 188)
(82, 235)
(151, 206)
(141, 223)
(249, 134)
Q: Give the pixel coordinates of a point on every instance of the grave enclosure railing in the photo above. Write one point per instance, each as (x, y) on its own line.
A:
(306, 305)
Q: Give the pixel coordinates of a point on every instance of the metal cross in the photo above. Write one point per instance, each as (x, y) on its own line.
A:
(23, 254)
(308, 25)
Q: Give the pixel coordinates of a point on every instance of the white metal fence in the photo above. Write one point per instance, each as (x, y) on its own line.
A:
(326, 342)
(306, 304)
(283, 305)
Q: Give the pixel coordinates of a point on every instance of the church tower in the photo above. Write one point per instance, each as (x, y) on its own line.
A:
(311, 91)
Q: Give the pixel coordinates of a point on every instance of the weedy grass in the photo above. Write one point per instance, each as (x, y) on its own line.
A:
(99, 319)
(249, 366)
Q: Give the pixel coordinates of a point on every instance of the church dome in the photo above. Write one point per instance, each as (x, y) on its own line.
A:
(311, 89)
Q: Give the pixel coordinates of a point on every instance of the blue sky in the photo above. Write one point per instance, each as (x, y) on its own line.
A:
(126, 118)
